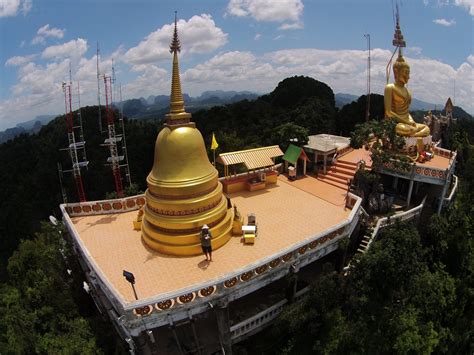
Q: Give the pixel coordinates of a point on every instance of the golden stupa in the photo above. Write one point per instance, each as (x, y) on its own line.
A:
(183, 189)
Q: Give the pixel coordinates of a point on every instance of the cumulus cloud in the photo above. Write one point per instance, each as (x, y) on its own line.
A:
(153, 80)
(72, 49)
(19, 60)
(343, 70)
(291, 26)
(414, 50)
(197, 35)
(12, 7)
(467, 4)
(267, 10)
(444, 22)
(46, 31)
(470, 59)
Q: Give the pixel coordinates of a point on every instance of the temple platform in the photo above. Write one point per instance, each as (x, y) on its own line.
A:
(287, 213)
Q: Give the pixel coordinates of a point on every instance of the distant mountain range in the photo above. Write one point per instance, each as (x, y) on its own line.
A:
(28, 127)
(344, 99)
(157, 106)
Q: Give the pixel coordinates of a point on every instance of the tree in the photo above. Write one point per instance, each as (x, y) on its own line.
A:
(383, 142)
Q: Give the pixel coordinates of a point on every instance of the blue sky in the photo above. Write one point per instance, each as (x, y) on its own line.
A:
(227, 45)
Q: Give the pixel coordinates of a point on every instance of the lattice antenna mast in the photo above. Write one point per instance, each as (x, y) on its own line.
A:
(124, 140)
(73, 145)
(111, 142)
(98, 89)
(63, 190)
(367, 111)
(81, 128)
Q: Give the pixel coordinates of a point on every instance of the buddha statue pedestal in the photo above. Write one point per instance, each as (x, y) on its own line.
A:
(417, 146)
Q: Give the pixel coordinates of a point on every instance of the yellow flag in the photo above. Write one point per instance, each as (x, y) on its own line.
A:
(214, 144)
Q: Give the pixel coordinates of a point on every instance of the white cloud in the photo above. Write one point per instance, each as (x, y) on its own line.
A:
(470, 59)
(467, 4)
(414, 50)
(19, 60)
(342, 70)
(197, 35)
(257, 36)
(153, 80)
(444, 22)
(267, 10)
(46, 31)
(12, 7)
(72, 49)
(291, 26)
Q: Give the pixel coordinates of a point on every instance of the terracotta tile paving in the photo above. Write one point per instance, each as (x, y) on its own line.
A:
(357, 154)
(318, 188)
(287, 213)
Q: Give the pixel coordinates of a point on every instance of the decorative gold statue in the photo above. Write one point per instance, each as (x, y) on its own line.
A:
(397, 100)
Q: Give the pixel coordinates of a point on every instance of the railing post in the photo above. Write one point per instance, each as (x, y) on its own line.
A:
(223, 325)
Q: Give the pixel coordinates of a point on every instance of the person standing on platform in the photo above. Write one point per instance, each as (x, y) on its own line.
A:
(206, 242)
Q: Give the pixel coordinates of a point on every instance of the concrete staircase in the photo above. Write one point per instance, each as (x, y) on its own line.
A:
(338, 174)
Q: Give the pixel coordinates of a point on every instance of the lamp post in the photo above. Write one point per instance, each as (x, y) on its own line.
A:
(130, 278)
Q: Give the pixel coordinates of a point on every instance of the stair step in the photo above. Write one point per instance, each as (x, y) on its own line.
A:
(336, 178)
(340, 170)
(346, 165)
(362, 251)
(333, 183)
(349, 163)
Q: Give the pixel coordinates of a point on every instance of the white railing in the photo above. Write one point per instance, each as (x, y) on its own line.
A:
(447, 200)
(262, 319)
(257, 321)
(399, 217)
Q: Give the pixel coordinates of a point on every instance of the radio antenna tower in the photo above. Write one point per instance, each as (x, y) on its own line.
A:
(114, 159)
(98, 89)
(73, 146)
(124, 141)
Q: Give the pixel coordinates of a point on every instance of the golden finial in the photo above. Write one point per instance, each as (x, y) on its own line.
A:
(175, 44)
(177, 114)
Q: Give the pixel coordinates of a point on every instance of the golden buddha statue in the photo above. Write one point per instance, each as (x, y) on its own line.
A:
(397, 100)
(184, 192)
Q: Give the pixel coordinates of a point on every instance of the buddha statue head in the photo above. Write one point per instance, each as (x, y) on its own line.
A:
(401, 70)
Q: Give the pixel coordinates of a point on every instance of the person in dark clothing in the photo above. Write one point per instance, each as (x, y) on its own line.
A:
(206, 245)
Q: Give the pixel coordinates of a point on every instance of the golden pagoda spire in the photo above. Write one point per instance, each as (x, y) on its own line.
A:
(184, 192)
(177, 114)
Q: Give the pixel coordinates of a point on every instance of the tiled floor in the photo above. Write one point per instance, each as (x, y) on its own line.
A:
(356, 155)
(287, 212)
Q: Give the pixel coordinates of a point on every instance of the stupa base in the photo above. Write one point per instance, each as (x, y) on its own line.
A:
(224, 230)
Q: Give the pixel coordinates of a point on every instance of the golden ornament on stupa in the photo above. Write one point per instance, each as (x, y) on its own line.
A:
(183, 189)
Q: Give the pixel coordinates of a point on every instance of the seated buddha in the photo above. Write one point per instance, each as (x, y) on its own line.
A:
(397, 100)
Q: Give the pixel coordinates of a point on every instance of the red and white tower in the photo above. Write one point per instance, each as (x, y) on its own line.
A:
(74, 146)
(111, 142)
